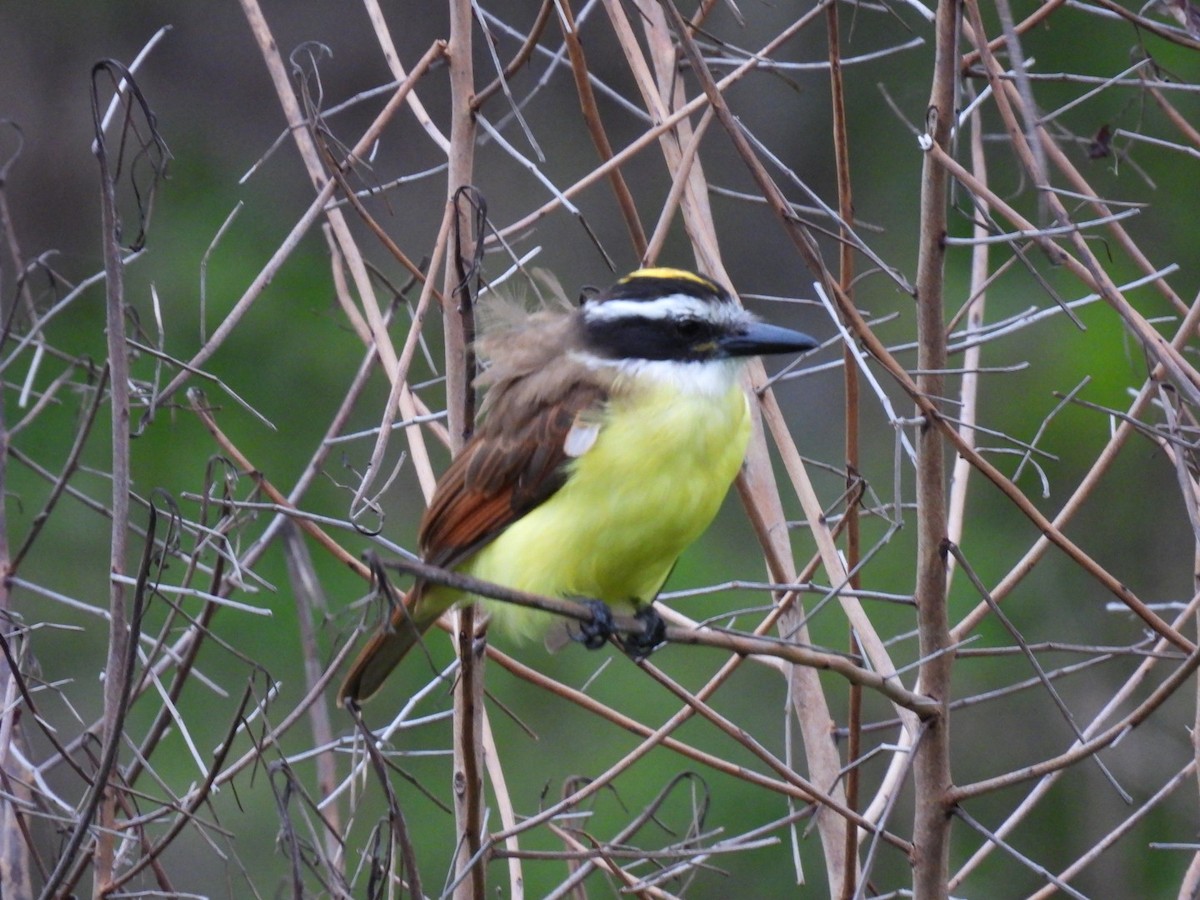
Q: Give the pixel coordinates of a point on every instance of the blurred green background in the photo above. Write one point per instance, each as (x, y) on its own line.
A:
(293, 355)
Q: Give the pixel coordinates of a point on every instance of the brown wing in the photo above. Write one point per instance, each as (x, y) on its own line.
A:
(514, 462)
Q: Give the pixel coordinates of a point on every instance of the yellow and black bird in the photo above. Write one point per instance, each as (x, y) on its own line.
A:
(610, 436)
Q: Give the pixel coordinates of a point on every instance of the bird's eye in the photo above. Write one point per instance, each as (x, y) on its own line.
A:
(689, 328)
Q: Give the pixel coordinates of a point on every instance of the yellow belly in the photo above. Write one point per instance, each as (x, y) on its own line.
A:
(647, 488)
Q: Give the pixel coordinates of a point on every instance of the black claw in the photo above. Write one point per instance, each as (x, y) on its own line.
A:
(595, 634)
(654, 634)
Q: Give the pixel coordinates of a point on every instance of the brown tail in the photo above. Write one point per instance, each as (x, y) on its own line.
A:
(387, 647)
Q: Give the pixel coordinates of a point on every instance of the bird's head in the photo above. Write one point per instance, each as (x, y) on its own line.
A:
(671, 315)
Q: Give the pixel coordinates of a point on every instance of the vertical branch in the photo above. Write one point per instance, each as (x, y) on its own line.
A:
(461, 172)
(931, 767)
(456, 314)
(101, 798)
(841, 149)
(969, 391)
(118, 361)
(15, 863)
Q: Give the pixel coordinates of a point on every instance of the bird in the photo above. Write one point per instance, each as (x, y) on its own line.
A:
(610, 434)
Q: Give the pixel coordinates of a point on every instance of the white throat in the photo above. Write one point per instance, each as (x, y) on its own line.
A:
(710, 377)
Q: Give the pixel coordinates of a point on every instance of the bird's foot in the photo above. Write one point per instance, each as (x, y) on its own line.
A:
(595, 634)
(654, 633)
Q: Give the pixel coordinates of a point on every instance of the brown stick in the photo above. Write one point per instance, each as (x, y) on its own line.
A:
(931, 765)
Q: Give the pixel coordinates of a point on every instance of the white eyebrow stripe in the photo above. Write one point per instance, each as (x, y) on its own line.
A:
(671, 306)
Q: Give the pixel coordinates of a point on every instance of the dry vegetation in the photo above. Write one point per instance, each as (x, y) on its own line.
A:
(904, 701)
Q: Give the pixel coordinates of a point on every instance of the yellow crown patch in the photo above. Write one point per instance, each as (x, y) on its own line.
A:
(668, 274)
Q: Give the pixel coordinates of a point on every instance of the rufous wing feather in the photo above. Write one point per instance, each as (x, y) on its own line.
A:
(505, 470)
(515, 461)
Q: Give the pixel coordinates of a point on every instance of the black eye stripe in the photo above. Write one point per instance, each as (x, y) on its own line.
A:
(687, 338)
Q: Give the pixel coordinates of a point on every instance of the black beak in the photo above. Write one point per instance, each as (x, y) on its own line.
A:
(763, 339)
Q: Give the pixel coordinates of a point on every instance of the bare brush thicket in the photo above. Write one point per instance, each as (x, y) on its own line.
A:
(963, 662)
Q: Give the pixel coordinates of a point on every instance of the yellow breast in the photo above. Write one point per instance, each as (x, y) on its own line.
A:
(648, 487)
